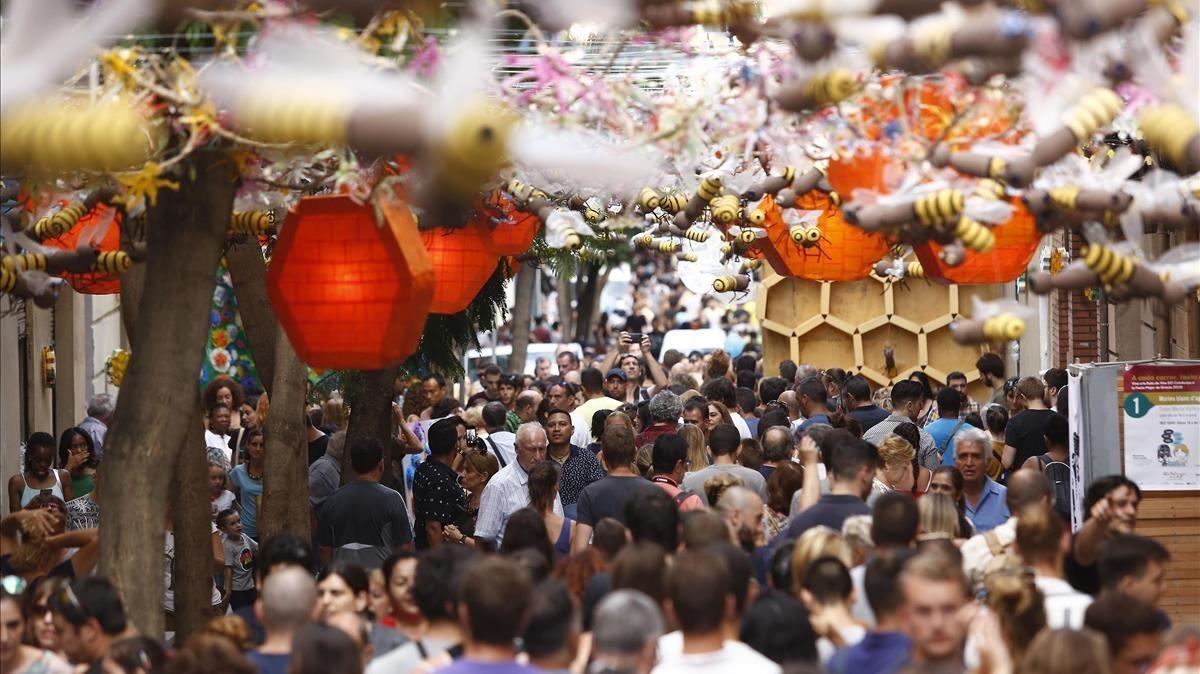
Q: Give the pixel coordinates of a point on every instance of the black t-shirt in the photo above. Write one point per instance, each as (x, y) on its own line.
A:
(437, 497)
(316, 449)
(607, 497)
(364, 522)
(868, 416)
(1026, 433)
(831, 511)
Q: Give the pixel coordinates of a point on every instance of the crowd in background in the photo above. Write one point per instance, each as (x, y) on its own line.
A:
(621, 513)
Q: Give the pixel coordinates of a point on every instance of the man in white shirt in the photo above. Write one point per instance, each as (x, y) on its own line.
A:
(508, 490)
(499, 441)
(1042, 541)
(701, 599)
(217, 434)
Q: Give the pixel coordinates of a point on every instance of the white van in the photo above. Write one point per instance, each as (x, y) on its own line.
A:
(705, 340)
(502, 355)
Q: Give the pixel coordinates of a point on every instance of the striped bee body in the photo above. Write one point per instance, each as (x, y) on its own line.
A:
(1003, 328)
(673, 202)
(1112, 267)
(914, 270)
(649, 199)
(51, 226)
(1096, 109)
(112, 262)
(939, 208)
(251, 222)
(974, 234)
(731, 283)
(24, 262)
(726, 209)
(696, 234)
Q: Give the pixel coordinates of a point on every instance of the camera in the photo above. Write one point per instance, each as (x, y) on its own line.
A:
(474, 441)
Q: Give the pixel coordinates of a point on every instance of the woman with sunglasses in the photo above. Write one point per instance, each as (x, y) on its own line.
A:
(39, 621)
(16, 657)
(33, 544)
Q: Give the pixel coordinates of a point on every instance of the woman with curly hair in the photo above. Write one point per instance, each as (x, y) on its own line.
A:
(47, 548)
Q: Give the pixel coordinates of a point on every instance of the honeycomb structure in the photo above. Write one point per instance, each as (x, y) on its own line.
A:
(849, 324)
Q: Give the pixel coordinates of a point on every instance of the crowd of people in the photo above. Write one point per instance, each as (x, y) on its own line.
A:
(702, 513)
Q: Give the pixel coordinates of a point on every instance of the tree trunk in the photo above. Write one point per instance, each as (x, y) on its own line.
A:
(522, 310)
(191, 514)
(566, 292)
(285, 471)
(186, 231)
(586, 304)
(133, 283)
(248, 272)
(371, 417)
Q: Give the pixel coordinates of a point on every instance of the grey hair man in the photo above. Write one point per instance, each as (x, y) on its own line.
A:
(625, 632)
(983, 497)
(508, 490)
(100, 412)
(289, 600)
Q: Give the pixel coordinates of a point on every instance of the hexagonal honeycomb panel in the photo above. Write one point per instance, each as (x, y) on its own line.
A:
(849, 324)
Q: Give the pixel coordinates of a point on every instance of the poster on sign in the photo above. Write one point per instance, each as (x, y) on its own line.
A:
(1160, 408)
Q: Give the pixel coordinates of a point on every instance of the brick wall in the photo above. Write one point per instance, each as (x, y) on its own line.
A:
(1076, 331)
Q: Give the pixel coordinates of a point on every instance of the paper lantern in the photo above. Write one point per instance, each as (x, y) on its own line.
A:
(109, 240)
(845, 253)
(512, 230)
(462, 262)
(350, 293)
(1016, 242)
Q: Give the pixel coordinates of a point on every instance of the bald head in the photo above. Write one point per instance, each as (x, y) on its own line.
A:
(740, 499)
(531, 445)
(793, 403)
(527, 404)
(1028, 487)
(777, 444)
(289, 597)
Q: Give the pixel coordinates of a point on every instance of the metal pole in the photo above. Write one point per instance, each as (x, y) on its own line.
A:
(1102, 317)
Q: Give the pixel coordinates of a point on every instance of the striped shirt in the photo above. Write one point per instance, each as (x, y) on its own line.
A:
(926, 454)
(506, 493)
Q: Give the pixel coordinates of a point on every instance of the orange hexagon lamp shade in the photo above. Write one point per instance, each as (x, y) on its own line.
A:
(350, 293)
(101, 227)
(462, 262)
(845, 253)
(1016, 242)
(512, 230)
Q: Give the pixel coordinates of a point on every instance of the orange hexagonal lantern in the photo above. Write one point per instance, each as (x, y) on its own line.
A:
(512, 230)
(1016, 242)
(462, 262)
(845, 253)
(101, 227)
(350, 293)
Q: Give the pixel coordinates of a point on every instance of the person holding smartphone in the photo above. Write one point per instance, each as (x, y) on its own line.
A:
(632, 348)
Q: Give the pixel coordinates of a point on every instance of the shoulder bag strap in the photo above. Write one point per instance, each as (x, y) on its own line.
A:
(495, 450)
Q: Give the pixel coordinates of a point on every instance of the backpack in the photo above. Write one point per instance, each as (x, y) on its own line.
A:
(1059, 475)
(995, 466)
(683, 495)
(1002, 557)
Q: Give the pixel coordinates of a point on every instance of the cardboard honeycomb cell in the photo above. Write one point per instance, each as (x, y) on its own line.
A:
(848, 324)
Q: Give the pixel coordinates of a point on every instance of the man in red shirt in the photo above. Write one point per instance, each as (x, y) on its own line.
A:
(665, 409)
(669, 463)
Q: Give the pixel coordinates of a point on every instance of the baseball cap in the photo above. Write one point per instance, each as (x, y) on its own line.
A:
(617, 372)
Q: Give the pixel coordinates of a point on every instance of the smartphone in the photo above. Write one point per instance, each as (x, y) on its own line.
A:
(635, 338)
